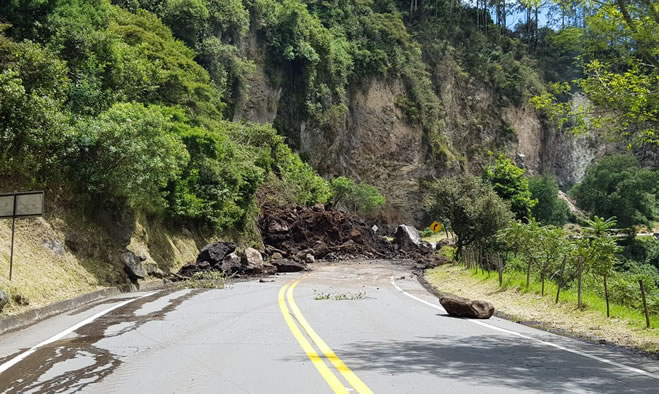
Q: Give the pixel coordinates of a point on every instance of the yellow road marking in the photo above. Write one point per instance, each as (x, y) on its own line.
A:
(350, 376)
(317, 361)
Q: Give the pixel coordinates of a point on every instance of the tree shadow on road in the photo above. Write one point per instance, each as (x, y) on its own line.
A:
(497, 360)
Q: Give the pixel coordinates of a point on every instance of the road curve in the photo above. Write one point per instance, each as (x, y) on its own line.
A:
(346, 327)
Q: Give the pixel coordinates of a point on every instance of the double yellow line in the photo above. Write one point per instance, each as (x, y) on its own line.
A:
(286, 294)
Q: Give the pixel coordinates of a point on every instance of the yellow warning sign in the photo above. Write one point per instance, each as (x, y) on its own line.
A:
(435, 227)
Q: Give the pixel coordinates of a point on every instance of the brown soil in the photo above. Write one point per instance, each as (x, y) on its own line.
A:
(331, 235)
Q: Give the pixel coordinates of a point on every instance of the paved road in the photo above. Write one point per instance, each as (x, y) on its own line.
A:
(284, 337)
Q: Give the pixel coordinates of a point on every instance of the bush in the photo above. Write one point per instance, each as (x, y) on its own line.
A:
(617, 186)
(357, 197)
(130, 153)
(550, 209)
(509, 182)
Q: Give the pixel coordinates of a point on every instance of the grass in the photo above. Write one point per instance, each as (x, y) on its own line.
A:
(626, 327)
(435, 237)
(206, 280)
(347, 296)
(44, 270)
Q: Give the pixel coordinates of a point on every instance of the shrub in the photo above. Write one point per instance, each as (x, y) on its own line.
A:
(617, 186)
(357, 197)
(550, 209)
(130, 153)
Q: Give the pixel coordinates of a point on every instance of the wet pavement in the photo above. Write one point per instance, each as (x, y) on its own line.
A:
(236, 340)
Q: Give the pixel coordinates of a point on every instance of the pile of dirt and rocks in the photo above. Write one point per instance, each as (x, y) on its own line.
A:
(294, 232)
(295, 236)
(225, 257)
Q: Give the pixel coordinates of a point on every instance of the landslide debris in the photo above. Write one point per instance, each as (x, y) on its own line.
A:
(300, 233)
(295, 236)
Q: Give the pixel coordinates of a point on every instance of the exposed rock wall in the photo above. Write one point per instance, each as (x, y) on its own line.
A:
(376, 143)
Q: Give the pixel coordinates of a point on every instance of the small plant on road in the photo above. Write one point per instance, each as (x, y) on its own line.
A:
(339, 296)
(206, 280)
(317, 295)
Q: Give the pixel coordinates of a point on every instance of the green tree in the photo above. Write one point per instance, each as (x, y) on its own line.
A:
(552, 247)
(472, 208)
(509, 182)
(33, 121)
(620, 66)
(617, 186)
(550, 209)
(524, 238)
(595, 251)
(131, 153)
(357, 197)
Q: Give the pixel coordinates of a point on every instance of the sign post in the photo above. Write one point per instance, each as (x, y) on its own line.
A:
(15, 205)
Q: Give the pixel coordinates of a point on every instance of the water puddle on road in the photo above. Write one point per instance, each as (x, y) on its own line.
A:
(72, 363)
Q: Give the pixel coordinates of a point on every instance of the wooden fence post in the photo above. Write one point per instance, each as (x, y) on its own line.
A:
(645, 305)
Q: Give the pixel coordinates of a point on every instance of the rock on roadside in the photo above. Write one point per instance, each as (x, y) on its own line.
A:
(408, 239)
(216, 252)
(464, 307)
(287, 265)
(4, 299)
(133, 266)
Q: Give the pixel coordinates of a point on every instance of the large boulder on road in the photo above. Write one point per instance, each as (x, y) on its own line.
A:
(215, 253)
(463, 307)
(286, 265)
(408, 239)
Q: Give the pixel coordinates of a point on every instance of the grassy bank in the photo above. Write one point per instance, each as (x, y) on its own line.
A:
(626, 327)
(67, 254)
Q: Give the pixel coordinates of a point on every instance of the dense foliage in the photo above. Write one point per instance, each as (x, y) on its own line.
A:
(616, 49)
(550, 209)
(471, 207)
(356, 196)
(509, 183)
(104, 100)
(617, 186)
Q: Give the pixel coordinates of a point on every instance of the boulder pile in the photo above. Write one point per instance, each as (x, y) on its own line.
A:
(308, 233)
(224, 257)
(295, 236)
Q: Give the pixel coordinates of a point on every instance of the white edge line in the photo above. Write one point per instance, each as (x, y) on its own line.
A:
(480, 323)
(64, 333)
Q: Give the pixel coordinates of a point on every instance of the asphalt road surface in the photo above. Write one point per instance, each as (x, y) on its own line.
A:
(347, 327)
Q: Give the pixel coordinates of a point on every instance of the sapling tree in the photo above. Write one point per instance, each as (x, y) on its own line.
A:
(524, 238)
(550, 249)
(603, 250)
(596, 251)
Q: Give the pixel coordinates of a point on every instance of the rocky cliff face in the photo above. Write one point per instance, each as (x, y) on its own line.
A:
(376, 143)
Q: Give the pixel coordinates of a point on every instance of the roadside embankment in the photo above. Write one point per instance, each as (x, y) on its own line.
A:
(69, 253)
(532, 309)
